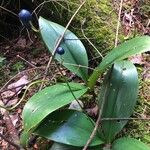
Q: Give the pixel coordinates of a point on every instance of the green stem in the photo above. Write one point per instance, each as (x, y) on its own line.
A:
(93, 78)
(33, 27)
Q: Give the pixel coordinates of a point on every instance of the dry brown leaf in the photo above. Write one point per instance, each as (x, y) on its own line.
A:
(17, 85)
(92, 111)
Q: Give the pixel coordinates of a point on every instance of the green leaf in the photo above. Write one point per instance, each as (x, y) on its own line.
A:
(48, 100)
(75, 53)
(119, 94)
(68, 127)
(129, 144)
(24, 138)
(58, 146)
(2, 59)
(124, 50)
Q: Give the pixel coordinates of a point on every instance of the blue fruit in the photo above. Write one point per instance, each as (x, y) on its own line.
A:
(25, 16)
(60, 51)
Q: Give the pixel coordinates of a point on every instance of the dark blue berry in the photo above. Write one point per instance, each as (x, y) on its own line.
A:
(25, 16)
(60, 51)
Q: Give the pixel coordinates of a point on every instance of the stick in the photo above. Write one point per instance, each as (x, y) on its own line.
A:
(122, 119)
(118, 23)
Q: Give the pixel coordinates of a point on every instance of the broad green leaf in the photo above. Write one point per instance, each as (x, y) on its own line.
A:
(48, 100)
(119, 94)
(129, 144)
(124, 50)
(58, 146)
(75, 54)
(68, 127)
(24, 138)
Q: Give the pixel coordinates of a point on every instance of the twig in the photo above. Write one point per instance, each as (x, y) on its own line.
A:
(29, 36)
(93, 133)
(122, 119)
(10, 142)
(69, 87)
(96, 125)
(118, 23)
(58, 43)
(26, 61)
(90, 41)
(73, 94)
(41, 4)
(80, 66)
(9, 11)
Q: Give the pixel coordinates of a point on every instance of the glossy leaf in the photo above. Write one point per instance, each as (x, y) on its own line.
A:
(68, 127)
(24, 138)
(119, 94)
(58, 146)
(48, 100)
(129, 144)
(124, 50)
(75, 53)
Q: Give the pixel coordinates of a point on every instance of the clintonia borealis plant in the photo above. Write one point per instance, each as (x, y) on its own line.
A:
(70, 129)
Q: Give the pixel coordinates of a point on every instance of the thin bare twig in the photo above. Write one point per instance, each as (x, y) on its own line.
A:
(96, 125)
(118, 23)
(58, 43)
(9, 11)
(90, 41)
(26, 61)
(41, 4)
(122, 119)
(69, 86)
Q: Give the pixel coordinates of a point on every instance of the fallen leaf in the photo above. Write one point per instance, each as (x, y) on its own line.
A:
(76, 105)
(14, 119)
(137, 59)
(92, 111)
(7, 94)
(11, 102)
(17, 85)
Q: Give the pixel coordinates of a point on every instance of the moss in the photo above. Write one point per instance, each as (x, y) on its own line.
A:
(100, 20)
(100, 23)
